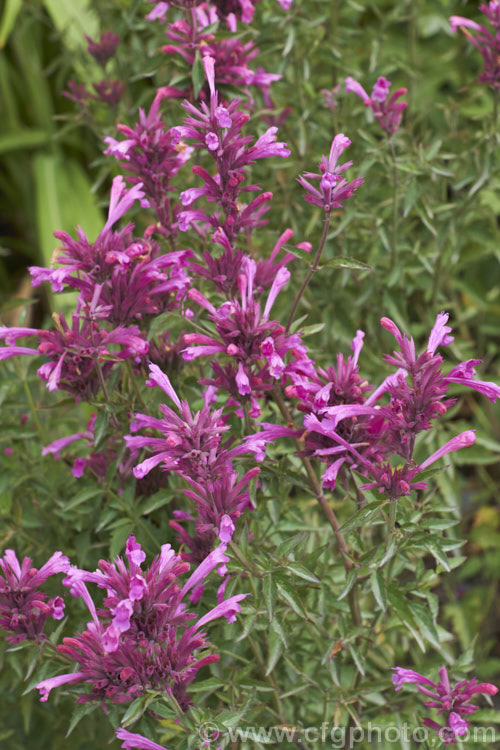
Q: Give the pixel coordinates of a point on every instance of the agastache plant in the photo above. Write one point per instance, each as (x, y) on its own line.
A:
(327, 599)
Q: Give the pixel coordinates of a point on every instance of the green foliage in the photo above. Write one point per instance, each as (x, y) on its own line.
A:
(317, 638)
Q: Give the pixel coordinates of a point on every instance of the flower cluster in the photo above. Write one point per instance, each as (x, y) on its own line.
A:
(153, 154)
(387, 111)
(348, 427)
(144, 637)
(24, 609)
(484, 40)
(257, 347)
(452, 702)
(108, 90)
(333, 188)
(217, 128)
(79, 356)
(192, 446)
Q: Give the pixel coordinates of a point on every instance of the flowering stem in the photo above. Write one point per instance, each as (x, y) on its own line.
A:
(311, 271)
(394, 203)
(134, 384)
(29, 398)
(316, 487)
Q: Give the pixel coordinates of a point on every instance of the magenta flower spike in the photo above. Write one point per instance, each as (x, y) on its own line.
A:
(24, 609)
(256, 346)
(333, 188)
(486, 41)
(387, 110)
(143, 637)
(452, 702)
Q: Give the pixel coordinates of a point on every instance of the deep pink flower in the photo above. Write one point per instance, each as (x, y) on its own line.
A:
(484, 40)
(453, 703)
(105, 48)
(387, 111)
(144, 637)
(191, 444)
(333, 189)
(153, 154)
(24, 609)
(256, 346)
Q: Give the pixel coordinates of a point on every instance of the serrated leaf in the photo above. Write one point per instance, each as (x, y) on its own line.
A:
(401, 609)
(100, 427)
(357, 659)
(302, 572)
(379, 589)
(137, 708)
(270, 591)
(425, 623)
(351, 580)
(352, 263)
(79, 712)
(289, 594)
(364, 515)
(81, 497)
(275, 650)
(197, 75)
(438, 555)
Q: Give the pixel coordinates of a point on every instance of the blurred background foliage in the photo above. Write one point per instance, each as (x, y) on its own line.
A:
(440, 252)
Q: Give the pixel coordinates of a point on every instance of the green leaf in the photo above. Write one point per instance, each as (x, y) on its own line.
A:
(158, 500)
(81, 497)
(79, 712)
(438, 555)
(351, 580)
(289, 594)
(357, 659)
(424, 620)
(73, 19)
(23, 139)
(137, 708)
(365, 515)
(197, 75)
(276, 647)
(379, 589)
(269, 589)
(352, 263)
(302, 572)
(100, 427)
(400, 606)
(10, 12)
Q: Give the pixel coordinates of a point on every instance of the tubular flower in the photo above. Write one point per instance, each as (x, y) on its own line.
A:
(453, 703)
(191, 445)
(257, 346)
(387, 111)
(333, 188)
(144, 637)
(76, 353)
(217, 127)
(487, 42)
(24, 609)
(124, 278)
(154, 155)
(349, 427)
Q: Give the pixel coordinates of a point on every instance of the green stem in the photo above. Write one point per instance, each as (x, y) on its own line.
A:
(311, 271)
(33, 409)
(134, 384)
(394, 238)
